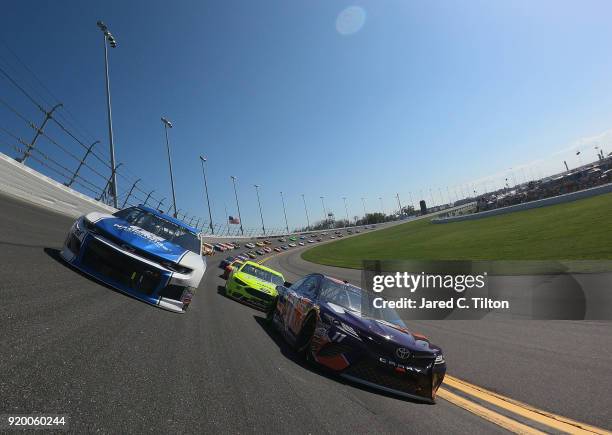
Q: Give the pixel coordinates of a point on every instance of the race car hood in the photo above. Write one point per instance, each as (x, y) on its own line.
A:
(139, 238)
(381, 333)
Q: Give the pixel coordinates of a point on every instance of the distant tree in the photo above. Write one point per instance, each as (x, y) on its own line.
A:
(373, 218)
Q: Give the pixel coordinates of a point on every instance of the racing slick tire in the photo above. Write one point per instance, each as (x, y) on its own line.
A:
(304, 339)
(270, 312)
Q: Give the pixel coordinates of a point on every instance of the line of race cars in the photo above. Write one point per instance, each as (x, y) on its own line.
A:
(158, 259)
(293, 241)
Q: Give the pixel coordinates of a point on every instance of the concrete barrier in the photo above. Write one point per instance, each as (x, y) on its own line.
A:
(568, 197)
(25, 183)
(29, 185)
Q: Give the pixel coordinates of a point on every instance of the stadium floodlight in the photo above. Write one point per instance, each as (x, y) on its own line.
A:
(113, 43)
(212, 229)
(306, 210)
(324, 211)
(168, 124)
(285, 212)
(263, 227)
(348, 221)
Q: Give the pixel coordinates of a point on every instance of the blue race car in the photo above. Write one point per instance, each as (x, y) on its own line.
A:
(139, 251)
(322, 318)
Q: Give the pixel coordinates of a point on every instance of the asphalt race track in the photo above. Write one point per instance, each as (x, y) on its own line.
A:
(114, 364)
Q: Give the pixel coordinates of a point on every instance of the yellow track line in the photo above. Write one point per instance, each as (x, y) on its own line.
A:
(266, 259)
(549, 419)
(487, 414)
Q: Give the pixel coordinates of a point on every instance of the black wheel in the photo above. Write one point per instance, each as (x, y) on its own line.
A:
(271, 310)
(302, 344)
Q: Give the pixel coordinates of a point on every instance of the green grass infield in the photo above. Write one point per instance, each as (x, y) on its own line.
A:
(579, 230)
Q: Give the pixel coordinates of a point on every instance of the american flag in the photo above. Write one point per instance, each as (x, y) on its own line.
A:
(234, 220)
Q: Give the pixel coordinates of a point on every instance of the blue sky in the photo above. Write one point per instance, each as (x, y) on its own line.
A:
(422, 95)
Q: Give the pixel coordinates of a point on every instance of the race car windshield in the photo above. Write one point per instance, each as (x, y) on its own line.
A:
(352, 298)
(160, 227)
(262, 274)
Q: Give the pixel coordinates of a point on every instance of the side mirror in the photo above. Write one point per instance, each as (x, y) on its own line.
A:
(287, 284)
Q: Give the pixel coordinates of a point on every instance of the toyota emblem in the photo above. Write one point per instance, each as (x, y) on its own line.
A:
(402, 353)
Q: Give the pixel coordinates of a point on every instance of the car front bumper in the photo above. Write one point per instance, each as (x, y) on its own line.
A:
(126, 272)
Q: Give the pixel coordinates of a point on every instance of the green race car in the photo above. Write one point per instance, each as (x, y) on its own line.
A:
(255, 285)
(293, 239)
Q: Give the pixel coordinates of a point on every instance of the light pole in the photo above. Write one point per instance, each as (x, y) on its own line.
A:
(203, 160)
(382, 207)
(263, 227)
(306, 210)
(285, 212)
(364, 207)
(512, 176)
(399, 204)
(237, 204)
(167, 125)
(324, 211)
(113, 43)
(107, 187)
(348, 221)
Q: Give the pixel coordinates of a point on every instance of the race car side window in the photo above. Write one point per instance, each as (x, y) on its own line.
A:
(130, 215)
(308, 288)
(297, 284)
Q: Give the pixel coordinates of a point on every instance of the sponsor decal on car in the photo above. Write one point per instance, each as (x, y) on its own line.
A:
(399, 367)
(156, 240)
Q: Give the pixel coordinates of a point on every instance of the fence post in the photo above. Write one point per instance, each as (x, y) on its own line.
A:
(39, 131)
(148, 196)
(68, 184)
(130, 193)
